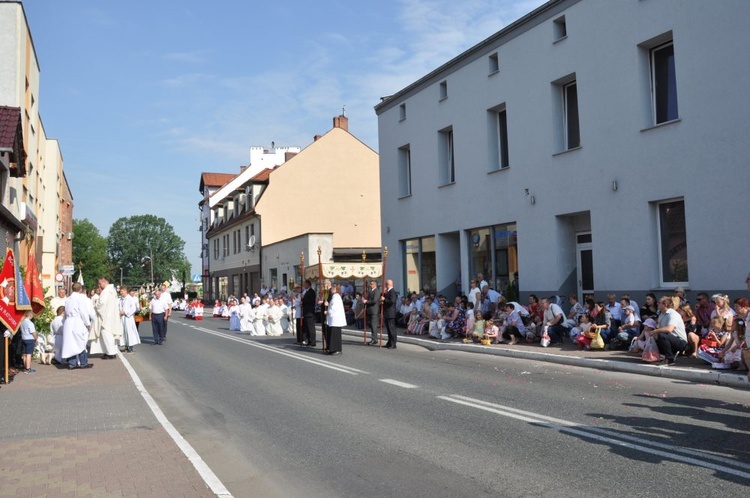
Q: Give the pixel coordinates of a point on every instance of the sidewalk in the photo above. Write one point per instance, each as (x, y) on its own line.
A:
(87, 433)
(689, 369)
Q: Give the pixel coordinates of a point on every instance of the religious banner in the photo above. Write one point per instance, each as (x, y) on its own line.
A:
(34, 286)
(344, 270)
(10, 315)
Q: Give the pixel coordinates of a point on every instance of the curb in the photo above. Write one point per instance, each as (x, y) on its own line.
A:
(677, 373)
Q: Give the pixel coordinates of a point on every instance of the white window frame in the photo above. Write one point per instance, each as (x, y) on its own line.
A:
(404, 174)
(660, 236)
(566, 123)
(652, 66)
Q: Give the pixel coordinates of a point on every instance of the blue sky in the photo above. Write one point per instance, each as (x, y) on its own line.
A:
(144, 95)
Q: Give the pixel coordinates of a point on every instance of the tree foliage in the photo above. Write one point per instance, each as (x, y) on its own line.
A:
(90, 251)
(136, 242)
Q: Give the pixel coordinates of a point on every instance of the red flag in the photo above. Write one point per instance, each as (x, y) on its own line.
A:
(9, 315)
(34, 286)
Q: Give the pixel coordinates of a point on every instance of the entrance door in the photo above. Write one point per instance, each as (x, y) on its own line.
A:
(585, 260)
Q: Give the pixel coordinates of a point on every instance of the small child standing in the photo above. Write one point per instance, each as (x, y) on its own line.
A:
(477, 332)
(28, 341)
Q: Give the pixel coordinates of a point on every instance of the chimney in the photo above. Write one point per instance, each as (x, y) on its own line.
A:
(289, 155)
(342, 122)
(316, 137)
(242, 168)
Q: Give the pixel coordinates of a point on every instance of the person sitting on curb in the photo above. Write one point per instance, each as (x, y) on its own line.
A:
(554, 318)
(670, 334)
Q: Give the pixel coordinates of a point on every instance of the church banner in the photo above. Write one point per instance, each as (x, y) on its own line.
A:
(10, 315)
(344, 270)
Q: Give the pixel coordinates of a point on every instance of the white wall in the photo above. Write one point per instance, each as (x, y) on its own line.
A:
(702, 158)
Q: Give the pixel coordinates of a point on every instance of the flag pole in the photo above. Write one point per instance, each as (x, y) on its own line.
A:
(382, 299)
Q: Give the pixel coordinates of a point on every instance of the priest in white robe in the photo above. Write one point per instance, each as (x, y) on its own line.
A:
(234, 316)
(128, 308)
(108, 314)
(78, 317)
(285, 319)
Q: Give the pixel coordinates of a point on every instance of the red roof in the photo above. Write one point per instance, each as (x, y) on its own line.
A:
(262, 176)
(11, 137)
(215, 179)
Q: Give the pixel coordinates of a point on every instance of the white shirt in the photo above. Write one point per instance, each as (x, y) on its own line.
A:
(157, 306)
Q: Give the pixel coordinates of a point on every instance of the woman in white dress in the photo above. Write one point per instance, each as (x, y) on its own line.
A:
(128, 307)
(335, 319)
(247, 314)
(234, 316)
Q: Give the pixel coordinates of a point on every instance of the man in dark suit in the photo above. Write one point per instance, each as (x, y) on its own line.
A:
(390, 301)
(372, 304)
(308, 314)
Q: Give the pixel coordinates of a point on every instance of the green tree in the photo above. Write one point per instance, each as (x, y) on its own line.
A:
(90, 252)
(138, 242)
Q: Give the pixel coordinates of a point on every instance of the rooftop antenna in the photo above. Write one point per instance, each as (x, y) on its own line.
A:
(273, 144)
(343, 110)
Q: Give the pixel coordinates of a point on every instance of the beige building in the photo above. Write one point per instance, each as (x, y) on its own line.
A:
(37, 196)
(327, 196)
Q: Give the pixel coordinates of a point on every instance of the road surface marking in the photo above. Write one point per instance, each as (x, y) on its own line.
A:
(399, 383)
(672, 452)
(208, 476)
(284, 352)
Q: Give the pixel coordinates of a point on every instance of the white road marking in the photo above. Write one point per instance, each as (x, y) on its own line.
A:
(399, 383)
(208, 476)
(284, 352)
(671, 452)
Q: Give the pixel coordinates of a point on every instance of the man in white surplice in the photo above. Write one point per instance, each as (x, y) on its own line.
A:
(108, 313)
(78, 317)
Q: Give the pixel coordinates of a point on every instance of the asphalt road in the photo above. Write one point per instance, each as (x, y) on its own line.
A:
(273, 419)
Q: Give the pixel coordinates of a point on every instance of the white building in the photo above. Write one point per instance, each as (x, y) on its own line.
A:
(226, 197)
(590, 146)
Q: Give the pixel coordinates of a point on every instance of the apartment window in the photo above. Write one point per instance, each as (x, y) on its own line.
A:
(498, 137)
(446, 156)
(673, 243)
(216, 248)
(404, 171)
(402, 112)
(252, 229)
(443, 90)
(494, 63)
(234, 242)
(247, 235)
(570, 115)
(663, 83)
(560, 28)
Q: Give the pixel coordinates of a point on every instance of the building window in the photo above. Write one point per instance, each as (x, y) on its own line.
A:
(498, 137)
(234, 242)
(252, 229)
(559, 28)
(420, 264)
(446, 156)
(402, 112)
(493, 252)
(673, 243)
(404, 171)
(494, 63)
(247, 235)
(443, 90)
(570, 115)
(663, 83)
(216, 248)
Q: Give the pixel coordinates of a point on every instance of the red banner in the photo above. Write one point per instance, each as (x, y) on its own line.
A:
(34, 286)
(10, 316)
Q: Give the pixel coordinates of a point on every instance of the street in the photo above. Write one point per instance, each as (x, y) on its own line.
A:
(274, 419)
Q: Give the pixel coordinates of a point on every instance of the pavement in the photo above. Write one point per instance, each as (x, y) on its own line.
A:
(92, 432)
(81, 433)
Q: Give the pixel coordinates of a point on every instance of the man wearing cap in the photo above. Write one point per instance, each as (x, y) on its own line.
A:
(166, 298)
(670, 334)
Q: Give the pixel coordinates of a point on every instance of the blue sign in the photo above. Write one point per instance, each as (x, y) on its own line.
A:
(196, 277)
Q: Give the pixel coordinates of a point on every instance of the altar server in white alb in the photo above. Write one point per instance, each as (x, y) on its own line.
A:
(234, 315)
(247, 314)
(128, 308)
(78, 317)
(108, 314)
(273, 318)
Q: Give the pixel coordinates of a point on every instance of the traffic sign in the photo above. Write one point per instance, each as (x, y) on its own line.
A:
(59, 277)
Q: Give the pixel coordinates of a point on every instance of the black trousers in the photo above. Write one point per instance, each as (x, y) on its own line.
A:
(310, 333)
(300, 332)
(390, 327)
